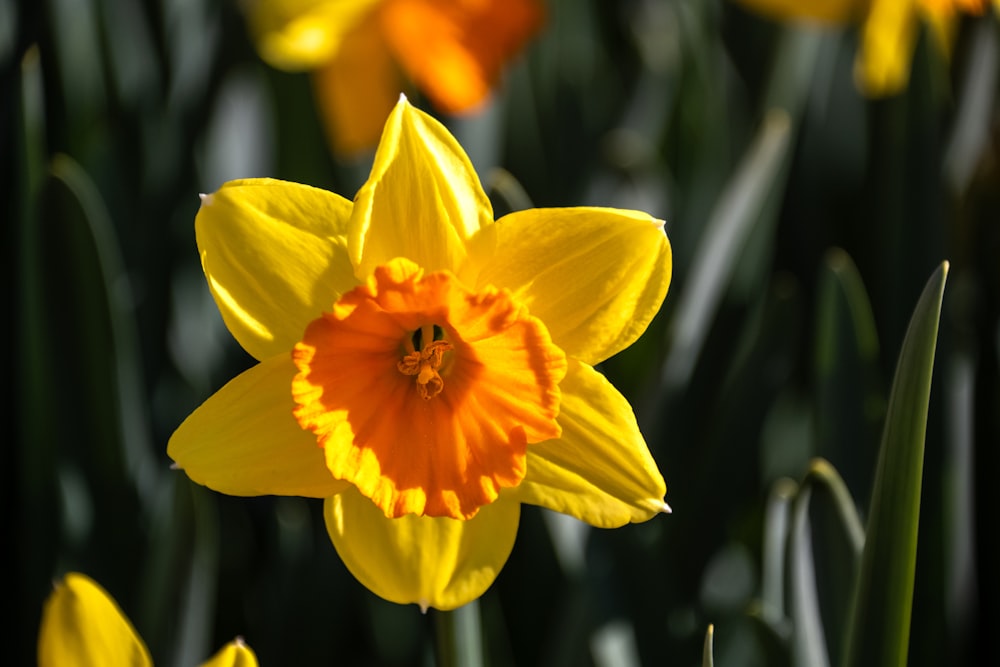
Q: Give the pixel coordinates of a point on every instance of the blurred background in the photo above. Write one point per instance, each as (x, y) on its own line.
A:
(805, 220)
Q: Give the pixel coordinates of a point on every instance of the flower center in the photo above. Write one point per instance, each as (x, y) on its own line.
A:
(367, 372)
(425, 360)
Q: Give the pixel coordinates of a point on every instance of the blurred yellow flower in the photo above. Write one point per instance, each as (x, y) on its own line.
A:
(888, 31)
(82, 626)
(423, 368)
(361, 52)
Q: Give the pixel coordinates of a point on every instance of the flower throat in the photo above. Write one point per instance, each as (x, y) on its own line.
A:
(424, 354)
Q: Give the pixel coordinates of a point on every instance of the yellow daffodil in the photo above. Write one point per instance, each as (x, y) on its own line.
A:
(888, 31)
(82, 626)
(423, 368)
(361, 53)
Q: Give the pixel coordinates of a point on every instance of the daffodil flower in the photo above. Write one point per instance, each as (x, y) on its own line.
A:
(888, 31)
(362, 52)
(82, 626)
(424, 368)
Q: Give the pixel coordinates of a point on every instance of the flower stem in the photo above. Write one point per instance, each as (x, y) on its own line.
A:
(459, 637)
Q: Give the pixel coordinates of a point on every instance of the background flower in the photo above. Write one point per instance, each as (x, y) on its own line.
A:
(889, 31)
(363, 52)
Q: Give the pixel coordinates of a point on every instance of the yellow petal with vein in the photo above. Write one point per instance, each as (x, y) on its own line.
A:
(244, 441)
(600, 470)
(275, 257)
(422, 201)
(594, 276)
(430, 561)
(82, 626)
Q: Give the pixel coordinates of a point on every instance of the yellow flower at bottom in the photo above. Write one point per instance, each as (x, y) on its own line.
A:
(888, 31)
(424, 368)
(82, 626)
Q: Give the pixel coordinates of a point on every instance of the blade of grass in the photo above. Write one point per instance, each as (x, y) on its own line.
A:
(808, 639)
(707, 657)
(880, 624)
(837, 538)
(775, 540)
(850, 405)
(724, 236)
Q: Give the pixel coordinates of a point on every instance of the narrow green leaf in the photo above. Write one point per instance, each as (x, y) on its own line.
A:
(880, 624)
(818, 607)
(837, 535)
(83, 250)
(707, 655)
(725, 233)
(32, 481)
(826, 477)
(776, 518)
(849, 404)
(808, 638)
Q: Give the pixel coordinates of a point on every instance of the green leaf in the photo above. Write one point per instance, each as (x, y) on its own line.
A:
(738, 208)
(808, 638)
(823, 562)
(96, 329)
(776, 517)
(880, 624)
(707, 657)
(849, 404)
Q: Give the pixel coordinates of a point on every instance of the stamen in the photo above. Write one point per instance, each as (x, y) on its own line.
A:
(424, 363)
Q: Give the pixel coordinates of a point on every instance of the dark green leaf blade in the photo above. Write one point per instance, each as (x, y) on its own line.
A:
(880, 624)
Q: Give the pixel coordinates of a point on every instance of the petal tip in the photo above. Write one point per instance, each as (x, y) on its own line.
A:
(424, 606)
(206, 200)
(659, 224)
(661, 506)
(174, 466)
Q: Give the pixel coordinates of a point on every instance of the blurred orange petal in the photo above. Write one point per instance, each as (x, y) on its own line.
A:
(454, 51)
(357, 90)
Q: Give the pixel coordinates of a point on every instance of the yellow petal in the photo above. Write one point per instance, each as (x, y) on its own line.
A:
(600, 470)
(594, 276)
(823, 11)
(888, 36)
(357, 89)
(244, 441)
(422, 201)
(302, 34)
(275, 257)
(430, 561)
(233, 654)
(82, 626)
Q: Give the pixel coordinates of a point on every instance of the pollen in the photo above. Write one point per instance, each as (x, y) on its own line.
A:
(425, 362)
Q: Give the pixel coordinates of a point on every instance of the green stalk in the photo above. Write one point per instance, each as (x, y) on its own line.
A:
(459, 636)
